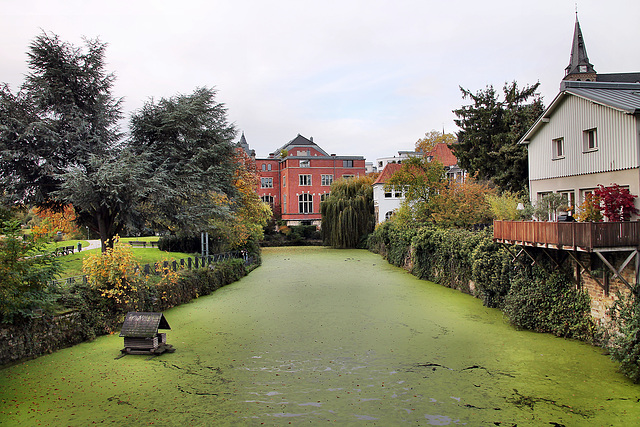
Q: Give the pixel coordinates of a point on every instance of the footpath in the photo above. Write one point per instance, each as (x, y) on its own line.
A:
(93, 244)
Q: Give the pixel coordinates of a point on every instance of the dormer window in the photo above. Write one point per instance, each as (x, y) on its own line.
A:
(582, 68)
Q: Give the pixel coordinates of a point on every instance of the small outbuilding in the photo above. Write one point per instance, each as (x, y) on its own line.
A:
(141, 336)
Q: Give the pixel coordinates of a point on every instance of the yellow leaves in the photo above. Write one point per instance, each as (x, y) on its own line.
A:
(113, 272)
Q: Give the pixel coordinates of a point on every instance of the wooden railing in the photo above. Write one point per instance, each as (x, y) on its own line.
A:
(582, 235)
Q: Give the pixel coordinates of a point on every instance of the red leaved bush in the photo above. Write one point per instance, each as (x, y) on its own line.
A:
(617, 201)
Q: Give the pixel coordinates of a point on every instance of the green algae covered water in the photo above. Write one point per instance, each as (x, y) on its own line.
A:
(319, 336)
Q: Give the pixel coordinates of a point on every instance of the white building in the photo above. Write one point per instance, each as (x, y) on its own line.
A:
(589, 135)
(386, 202)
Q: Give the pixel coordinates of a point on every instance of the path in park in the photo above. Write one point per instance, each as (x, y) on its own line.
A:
(319, 336)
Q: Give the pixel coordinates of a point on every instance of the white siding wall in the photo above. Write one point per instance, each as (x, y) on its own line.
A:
(617, 141)
(382, 204)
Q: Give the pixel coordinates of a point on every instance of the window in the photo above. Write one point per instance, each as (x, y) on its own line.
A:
(589, 140)
(324, 196)
(264, 167)
(269, 167)
(347, 163)
(266, 182)
(388, 215)
(284, 180)
(267, 199)
(568, 200)
(304, 153)
(305, 203)
(387, 195)
(558, 148)
(304, 163)
(305, 179)
(347, 176)
(327, 179)
(284, 203)
(585, 192)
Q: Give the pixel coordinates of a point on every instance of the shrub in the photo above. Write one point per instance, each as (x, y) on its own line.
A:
(590, 210)
(625, 345)
(492, 271)
(113, 273)
(505, 206)
(545, 302)
(444, 255)
(26, 268)
(618, 202)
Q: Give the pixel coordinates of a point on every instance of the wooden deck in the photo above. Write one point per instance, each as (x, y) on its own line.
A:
(582, 236)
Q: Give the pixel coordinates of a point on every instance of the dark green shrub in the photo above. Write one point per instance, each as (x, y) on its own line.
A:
(187, 244)
(549, 302)
(444, 255)
(308, 232)
(625, 344)
(492, 270)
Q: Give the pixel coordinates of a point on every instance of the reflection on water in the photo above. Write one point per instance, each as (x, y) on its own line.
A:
(318, 335)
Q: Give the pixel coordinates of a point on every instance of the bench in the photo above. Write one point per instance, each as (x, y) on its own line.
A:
(64, 250)
(138, 243)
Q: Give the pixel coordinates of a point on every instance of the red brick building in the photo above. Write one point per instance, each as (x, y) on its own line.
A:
(297, 177)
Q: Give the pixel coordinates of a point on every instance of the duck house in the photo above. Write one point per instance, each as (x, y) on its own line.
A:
(141, 336)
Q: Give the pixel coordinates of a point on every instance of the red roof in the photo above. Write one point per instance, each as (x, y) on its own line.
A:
(388, 170)
(442, 153)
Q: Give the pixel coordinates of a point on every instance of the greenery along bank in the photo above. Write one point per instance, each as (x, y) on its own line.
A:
(81, 311)
(530, 296)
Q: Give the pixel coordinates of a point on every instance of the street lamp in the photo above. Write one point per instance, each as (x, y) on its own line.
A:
(87, 227)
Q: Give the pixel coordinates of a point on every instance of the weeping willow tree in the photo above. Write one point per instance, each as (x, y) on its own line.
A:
(347, 214)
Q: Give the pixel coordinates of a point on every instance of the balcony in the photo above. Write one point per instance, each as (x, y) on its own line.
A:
(580, 236)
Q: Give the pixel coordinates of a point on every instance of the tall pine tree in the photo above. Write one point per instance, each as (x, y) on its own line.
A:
(489, 132)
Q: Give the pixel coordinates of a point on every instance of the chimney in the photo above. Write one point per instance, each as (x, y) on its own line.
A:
(311, 138)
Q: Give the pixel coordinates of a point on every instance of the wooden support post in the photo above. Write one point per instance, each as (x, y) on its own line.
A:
(577, 261)
(616, 273)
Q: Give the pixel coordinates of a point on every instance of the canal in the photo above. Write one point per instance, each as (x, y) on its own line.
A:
(319, 336)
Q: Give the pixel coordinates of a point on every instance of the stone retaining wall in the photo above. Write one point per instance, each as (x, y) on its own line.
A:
(39, 336)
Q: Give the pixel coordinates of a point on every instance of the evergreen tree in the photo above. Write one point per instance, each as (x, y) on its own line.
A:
(188, 143)
(490, 130)
(61, 125)
(347, 214)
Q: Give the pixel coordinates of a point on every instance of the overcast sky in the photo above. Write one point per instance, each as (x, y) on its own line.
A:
(363, 77)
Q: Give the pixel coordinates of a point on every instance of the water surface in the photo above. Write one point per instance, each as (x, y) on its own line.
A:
(318, 336)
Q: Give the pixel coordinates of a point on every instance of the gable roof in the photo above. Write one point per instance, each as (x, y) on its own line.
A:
(442, 153)
(301, 141)
(624, 97)
(143, 324)
(387, 172)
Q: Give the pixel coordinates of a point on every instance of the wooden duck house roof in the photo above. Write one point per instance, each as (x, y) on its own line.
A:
(143, 325)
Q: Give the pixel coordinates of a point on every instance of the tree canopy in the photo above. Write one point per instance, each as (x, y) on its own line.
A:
(188, 143)
(489, 132)
(347, 214)
(62, 126)
(431, 138)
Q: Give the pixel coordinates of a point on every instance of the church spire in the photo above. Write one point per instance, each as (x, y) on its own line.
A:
(579, 66)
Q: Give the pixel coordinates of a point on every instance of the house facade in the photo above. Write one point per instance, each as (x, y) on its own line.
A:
(298, 176)
(385, 203)
(589, 134)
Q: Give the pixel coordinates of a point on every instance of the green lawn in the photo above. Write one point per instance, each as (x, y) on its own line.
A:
(72, 264)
